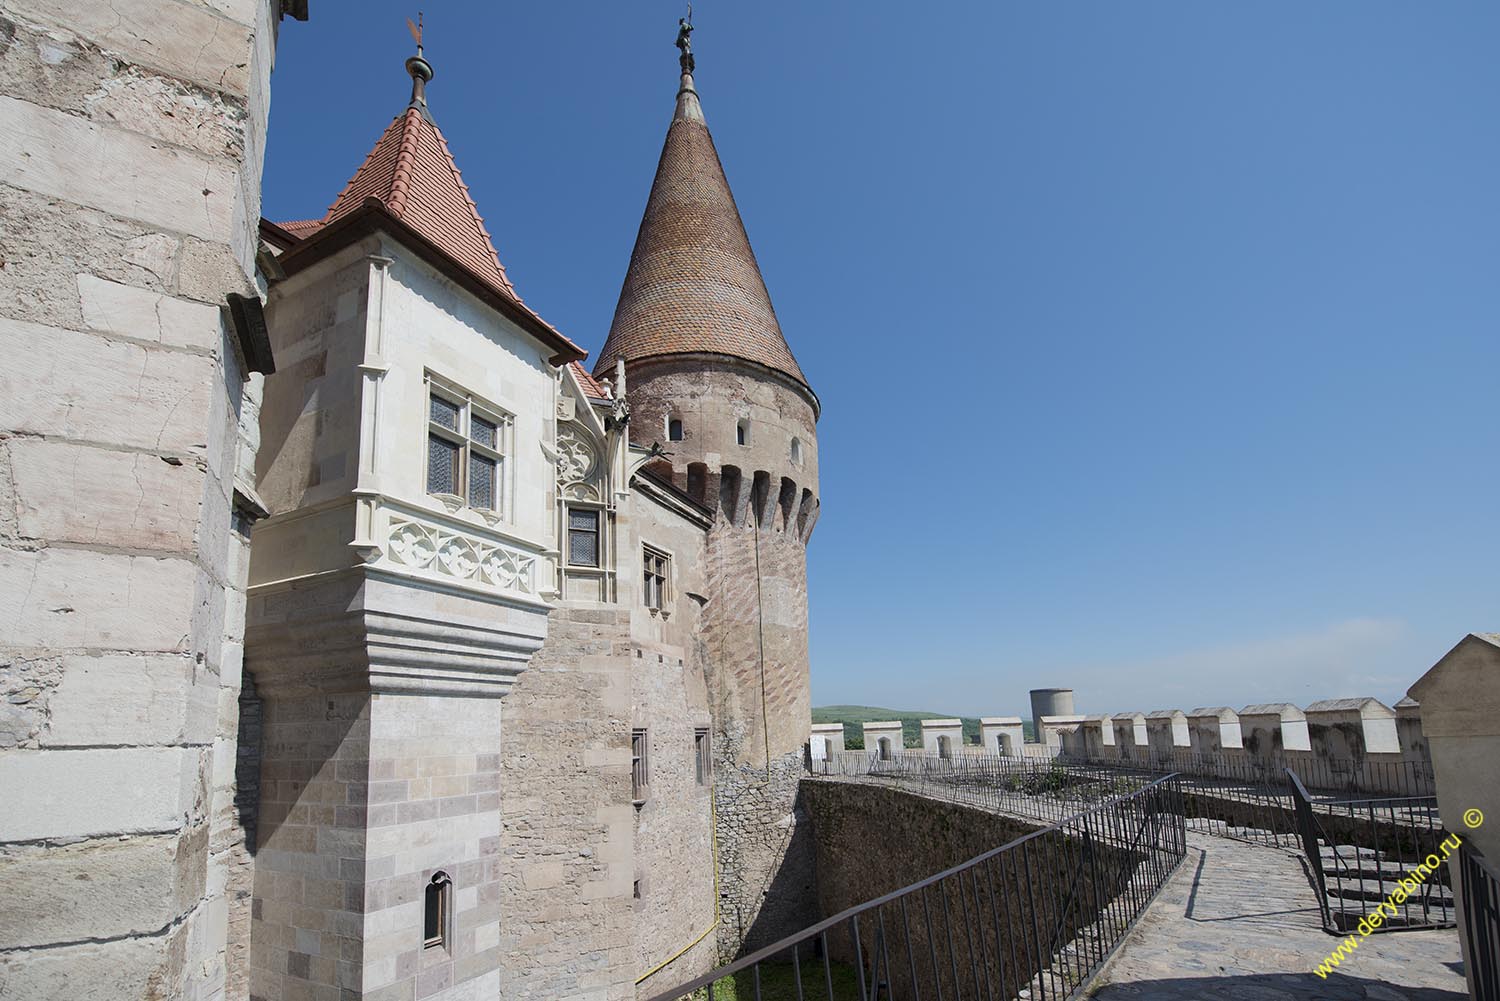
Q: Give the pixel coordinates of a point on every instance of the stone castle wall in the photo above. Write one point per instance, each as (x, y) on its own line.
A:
(131, 136)
(567, 863)
(764, 494)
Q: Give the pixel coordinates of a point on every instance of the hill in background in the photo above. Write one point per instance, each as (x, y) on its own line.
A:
(854, 718)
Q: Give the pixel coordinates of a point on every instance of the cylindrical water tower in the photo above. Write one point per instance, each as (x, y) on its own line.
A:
(1049, 702)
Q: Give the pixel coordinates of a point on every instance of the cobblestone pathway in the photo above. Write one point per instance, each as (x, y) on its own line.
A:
(1239, 922)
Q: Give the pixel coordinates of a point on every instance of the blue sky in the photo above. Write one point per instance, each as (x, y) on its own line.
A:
(1156, 340)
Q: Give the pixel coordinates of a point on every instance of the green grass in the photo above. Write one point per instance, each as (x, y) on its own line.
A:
(853, 718)
(778, 984)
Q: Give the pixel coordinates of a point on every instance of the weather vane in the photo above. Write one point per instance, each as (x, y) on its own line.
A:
(416, 31)
(419, 68)
(685, 40)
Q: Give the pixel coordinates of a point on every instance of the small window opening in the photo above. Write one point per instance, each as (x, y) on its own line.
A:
(674, 429)
(657, 572)
(797, 450)
(640, 766)
(635, 889)
(742, 433)
(583, 537)
(435, 914)
(885, 748)
(700, 755)
(945, 747)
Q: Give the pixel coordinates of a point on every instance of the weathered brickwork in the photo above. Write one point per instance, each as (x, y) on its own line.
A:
(130, 147)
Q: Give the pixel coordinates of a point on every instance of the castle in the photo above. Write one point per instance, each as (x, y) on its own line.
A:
(361, 642)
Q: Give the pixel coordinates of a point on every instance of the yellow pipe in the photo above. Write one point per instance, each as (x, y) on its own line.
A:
(713, 819)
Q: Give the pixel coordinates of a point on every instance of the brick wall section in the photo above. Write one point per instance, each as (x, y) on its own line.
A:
(130, 155)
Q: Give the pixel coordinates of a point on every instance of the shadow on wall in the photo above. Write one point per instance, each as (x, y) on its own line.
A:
(790, 901)
(1269, 987)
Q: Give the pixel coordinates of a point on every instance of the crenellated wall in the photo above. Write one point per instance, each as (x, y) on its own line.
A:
(1358, 739)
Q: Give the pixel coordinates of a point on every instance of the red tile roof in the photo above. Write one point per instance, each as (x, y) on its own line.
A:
(411, 176)
(302, 228)
(412, 172)
(693, 284)
(592, 387)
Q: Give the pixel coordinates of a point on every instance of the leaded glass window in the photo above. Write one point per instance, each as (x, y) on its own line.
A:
(583, 537)
(465, 449)
(481, 481)
(443, 413)
(482, 431)
(442, 465)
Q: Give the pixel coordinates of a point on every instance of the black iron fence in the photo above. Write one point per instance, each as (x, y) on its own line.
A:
(1035, 788)
(1255, 806)
(1479, 891)
(1371, 774)
(1036, 917)
(1369, 855)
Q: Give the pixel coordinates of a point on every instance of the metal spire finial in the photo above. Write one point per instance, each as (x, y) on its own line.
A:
(419, 68)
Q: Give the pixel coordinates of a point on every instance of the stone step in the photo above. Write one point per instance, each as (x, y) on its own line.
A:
(1367, 868)
(1348, 852)
(1379, 889)
(1412, 918)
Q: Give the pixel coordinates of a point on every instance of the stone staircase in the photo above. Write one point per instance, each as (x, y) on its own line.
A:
(1359, 879)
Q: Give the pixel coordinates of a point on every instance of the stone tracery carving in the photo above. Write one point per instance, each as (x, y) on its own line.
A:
(446, 553)
(576, 456)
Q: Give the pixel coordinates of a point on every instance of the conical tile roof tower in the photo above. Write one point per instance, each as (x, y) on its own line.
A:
(693, 285)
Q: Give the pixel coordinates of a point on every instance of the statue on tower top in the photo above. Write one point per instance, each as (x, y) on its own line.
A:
(685, 43)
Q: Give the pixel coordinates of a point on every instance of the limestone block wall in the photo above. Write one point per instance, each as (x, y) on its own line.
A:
(566, 842)
(676, 906)
(130, 156)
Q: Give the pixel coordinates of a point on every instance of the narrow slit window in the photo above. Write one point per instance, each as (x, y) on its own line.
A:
(797, 450)
(640, 766)
(701, 757)
(436, 904)
(742, 433)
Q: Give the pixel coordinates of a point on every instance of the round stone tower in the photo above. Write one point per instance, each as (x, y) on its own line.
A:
(712, 379)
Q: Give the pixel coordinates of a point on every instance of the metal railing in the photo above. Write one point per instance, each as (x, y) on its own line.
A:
(1479, 885)
(1036, 917)
(1358, 852)
(1317, 771)
(1035, 788)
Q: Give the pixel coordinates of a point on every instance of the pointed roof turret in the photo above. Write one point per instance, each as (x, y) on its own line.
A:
(693, 285)
(412, 184)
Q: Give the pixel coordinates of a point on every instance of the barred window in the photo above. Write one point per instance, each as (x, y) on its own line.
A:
(701, 756)
(583, 537)
(640, 766)
(465, 448)
(657, 571)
